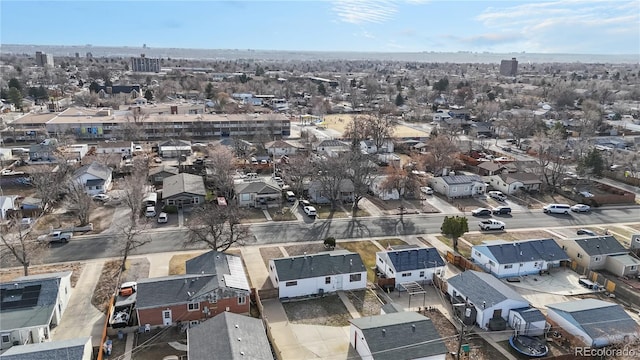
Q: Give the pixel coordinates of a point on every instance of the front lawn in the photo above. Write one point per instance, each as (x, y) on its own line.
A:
(367, 251)
(253, 216)
(325, 212)
(477, 239)
(282, 214)
(463, 249)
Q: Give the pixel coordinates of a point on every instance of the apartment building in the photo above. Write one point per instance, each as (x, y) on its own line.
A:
(145, 64)
(509, 67)
(43, 59)
(99, 124)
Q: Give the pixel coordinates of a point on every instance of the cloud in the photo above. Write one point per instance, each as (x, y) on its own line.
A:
(490, 39)
(365, 11)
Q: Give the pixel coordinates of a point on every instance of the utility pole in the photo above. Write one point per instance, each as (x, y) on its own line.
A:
(460, 340)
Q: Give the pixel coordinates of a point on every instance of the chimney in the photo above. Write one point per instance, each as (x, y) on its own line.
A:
(413, 328)
(384, 332)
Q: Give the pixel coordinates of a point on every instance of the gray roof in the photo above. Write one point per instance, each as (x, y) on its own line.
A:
(478, 287)
(178, 289)
(29, 301)
(316, 265)
(257, 187)
(530, 314)
(331, 143)
(164, 168)
(229, 336)
(600, 245)
(461, 179)
(528, 250)
(597, 318)
(414, 259)
(183, 183)
(95, 169)
(401, 335)
(210, 263)
(72, 349)
(114, 144)
(174, 142)
(523, 177)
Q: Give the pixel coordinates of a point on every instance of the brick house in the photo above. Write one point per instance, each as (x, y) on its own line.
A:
(214, 282)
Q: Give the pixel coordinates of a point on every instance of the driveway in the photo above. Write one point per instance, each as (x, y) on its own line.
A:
(560, 282)
(81, 318)
(442, 205)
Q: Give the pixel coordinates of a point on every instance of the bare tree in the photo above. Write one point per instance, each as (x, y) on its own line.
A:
(331, 174)
(550, 149)
(80, 202)
(21, 244)
(402, 180)
(442, 154)
(51, 183)
(221, 164)
(135, 187)
(298, 169)
(217, 226)
(131, 237)
(520, 124)
(361, 170)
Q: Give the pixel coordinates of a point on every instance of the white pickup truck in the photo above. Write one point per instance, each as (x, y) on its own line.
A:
(491, 224)
(56, 236)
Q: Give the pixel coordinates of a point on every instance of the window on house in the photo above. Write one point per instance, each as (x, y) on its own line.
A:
(5, 338)
(380, 259)
(196, 200)
(535, 264)
(521, 264)
(291, 283)
(491, 263)
(454, 189)
(478, 253)
(633, 267)
(327, 280)
(193, 306)
(242, 299)
(406, 274)
(355, 277)
(421, 273)
(66, 290)
(579, 255)
(271, 267)
(391, 271)
(509, 266)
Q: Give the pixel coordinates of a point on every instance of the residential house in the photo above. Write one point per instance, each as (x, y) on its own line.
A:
(174, 148)
(409, 264)
(528, 321)
(331, 147)
(457, 186)
(31, 203)
(74, 153)
(400, 335)
(43, 152)
(319, 195)
(280, 148)
(7, 203)
(488, 168)
(95, 178)
(183, 190)
(370, 147)
(511, 183)
(115, 147)
(483, 129)
(623, 265)
(257, 193)
(595, 322)
(518, 258)
(378, 189)
(159, 173)
(489, 298)
(229, 336)
(317, 274)
(71, 349)
(30, 306)
(214, 283)
(591, 252)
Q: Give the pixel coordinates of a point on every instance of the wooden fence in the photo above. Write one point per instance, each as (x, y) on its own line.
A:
(461, 262)
(265, 322)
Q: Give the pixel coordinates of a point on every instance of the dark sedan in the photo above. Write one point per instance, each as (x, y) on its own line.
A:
(481, 212)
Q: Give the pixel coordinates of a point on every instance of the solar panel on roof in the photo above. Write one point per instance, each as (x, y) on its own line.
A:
(236, 277)
(20, 298)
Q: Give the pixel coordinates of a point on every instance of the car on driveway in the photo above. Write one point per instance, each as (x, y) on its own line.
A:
(491, 224)
(100, 197)
(427, 190)
(497, 195)
(304, 203)
(310, 211)
(581, 208)
(163, 218)
(150, 212)
(585, 232)
(501, 210)
(481, 212)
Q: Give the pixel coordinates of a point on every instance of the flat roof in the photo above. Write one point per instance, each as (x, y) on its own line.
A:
(41, 118)
(167, 118)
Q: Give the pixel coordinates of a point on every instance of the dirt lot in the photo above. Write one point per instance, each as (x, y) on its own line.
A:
(177, 264)
(339, 122)
(477, 239)
(110, 279)
(271, 252)
(101, 217)
(76, 268)
(327, 311)
(366, 302)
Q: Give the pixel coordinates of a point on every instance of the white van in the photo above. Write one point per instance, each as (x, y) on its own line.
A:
(556, 209)
(291, 196)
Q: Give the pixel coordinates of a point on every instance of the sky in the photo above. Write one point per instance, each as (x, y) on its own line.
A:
(562, 26)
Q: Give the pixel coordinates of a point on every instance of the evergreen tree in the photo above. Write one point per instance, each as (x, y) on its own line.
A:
(148, 94)
(454, 227)
(322, 90)
(399, 99)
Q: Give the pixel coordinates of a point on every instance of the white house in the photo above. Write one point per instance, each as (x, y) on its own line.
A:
(400, 335)
(490, 297)
(317, 274)
(95, 177)
(280, 148)
(518, 258)
(6, 203)
(407, 264)
(30, 305)
(370, 147)
(595, 322)
(528, 321)
(318, 194)
(378, 189)
(331, 147)
(510, 183)
(457, 186)
(623, 265)
(115, 147)
(71, 349)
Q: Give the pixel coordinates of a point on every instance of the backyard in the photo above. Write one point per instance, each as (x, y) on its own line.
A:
(328, 311)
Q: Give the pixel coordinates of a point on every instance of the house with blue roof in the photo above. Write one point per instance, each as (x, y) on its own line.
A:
(518, 258)
(407, 264)
(594, 322)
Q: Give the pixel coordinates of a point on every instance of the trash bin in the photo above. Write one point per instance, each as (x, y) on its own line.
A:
(120, 335)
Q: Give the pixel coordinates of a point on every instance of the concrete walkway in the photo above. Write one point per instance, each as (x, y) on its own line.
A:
(128, 347)
(159, 264)
(267, 215)
(256, 270)
(81, 318)
(180, 218)
(349, 305)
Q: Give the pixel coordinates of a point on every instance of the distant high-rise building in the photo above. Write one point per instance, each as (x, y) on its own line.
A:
(89, 55)
(509, 67)
(145, 64)
(77, 55)
(43, 59)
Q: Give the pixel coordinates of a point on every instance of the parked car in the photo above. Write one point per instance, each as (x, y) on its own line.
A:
(163, 218)
(56, 236)
(150, 211)
(556, 209)
(511, 141)
(502, 210)
(481, 212)
(427, 190)
(581, 208)
(310, 211)
(304, 203)
(100, 197)
(585, 232)
(498, 195)
(491, 224)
